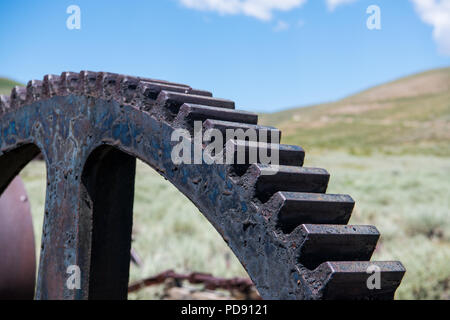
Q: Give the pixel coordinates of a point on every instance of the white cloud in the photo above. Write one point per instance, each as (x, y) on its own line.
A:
(437, 14)
(433, 12)
(281, 26)
(260, 9)
(332, 4)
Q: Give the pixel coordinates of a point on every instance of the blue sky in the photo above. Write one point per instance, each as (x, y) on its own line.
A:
(265, 55)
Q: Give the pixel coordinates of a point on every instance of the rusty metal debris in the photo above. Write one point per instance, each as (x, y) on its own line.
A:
(244, 286)
(90, 127)
(17, 250)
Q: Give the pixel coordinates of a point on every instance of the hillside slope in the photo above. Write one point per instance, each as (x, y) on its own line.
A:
(410, 115)
(6, 85)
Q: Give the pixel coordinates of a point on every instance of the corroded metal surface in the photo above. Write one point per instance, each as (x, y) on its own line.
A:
(17, 250)
(90, 128)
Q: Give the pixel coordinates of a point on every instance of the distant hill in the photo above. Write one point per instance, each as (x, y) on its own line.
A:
(6, 85)
(410, 115)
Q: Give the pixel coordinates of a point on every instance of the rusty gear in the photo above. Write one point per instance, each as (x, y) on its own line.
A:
(292, 238)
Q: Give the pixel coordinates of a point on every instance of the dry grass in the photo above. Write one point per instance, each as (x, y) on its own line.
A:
(406, 197)
(408, 116)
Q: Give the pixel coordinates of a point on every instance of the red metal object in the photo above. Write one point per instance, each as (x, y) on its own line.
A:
(17, 250)
(209, 281)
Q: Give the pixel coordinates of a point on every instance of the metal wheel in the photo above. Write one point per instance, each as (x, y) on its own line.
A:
(292, 237)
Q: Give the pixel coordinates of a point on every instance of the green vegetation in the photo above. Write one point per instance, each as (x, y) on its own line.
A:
(406, 197)
(408, 116)
(6, 85)
(388, 147)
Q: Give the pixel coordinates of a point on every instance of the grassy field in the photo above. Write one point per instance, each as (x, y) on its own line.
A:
(406, 197)
(6, 85)
(388, 147)
(407, 116)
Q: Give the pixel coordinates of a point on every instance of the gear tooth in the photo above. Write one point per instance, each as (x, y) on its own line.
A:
(163, 82)
(288, 210)
(348, 280)
(50, 86)
(98, 92)
(269, 179)
(4, 104)
(18, 97)
(73, 83)
(62, 87)
(45, 87)
(263, 133)
(190, 112)
(147, 94)
(153, 89)
(151, 92)
(89, 83)
(246, 153)
(108, 85)
(68, 83)
(322, 243)
(129, 89)
(172, 101)
(34, 91)
(200, 92)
